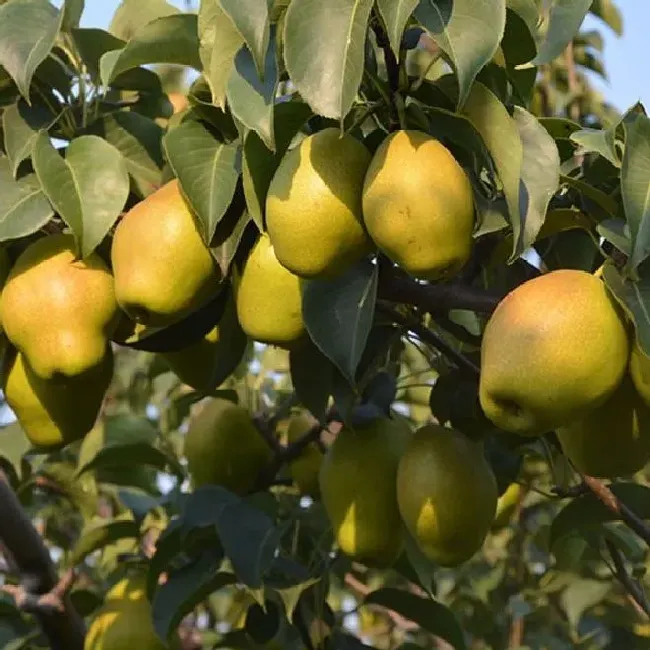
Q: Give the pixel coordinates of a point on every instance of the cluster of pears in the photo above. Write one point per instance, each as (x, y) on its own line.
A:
(331, 203)
(558, 355)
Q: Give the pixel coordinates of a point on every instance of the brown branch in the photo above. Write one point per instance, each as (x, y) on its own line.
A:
(572, 81)
(26, 551)
(633, 588)
(392, 68)
(430, 337)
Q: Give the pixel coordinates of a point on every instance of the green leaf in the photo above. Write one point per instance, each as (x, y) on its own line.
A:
(339, 313)
(88, 187)
(251, 100)
(260, 163)
(604, 201)
(170, 39)
(251, 19)
(207, 171)
(501, 137)
(139, 140)
(608, 12)
(24, 208)
(228, 235)
(540, 175)
(131, 15)
(219, 41)
(185, 589)
(580, 595)
(395, 14)
(14, 444)
(635, 186)
(324, 52)
(99, 534)
(429, 614)
(468, 31)
(563, 24)
(28, 29)
(92, 43)
(518, 46)
(72, 12)
(598, 141)
(311, 377)
(21, 123)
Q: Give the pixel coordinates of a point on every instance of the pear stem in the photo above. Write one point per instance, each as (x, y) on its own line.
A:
(40, 591)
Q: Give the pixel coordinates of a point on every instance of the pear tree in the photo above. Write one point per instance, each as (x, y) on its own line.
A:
(323, 324)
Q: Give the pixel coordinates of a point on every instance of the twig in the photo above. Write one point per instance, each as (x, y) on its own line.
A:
(392, 69)
(428, 336)
(613, 503)
(50, 602)
(633, 588)
(572, 82)
(26, 551)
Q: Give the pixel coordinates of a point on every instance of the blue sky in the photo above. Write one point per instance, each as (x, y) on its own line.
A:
(627, 59)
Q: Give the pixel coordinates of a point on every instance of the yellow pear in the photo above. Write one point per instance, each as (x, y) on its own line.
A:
(613, 439)
(5, 268)
(54, 413)
(313, 206)
(418, 205)
(163, 269)
(223, 447)
(304, 469)
(204, 365)
(124, 621)
(555, 348)
(269, 300)
(447, 494)
(357, 485)
(640, 372)
(58, 310)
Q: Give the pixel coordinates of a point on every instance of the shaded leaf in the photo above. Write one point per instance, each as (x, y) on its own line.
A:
(580, 595)
(251, 100)
(219, 41)
(540, 175)
(24, 208)
(468, 31)
(429, 614)
(327, 70)
(501, 136)
(229, 235)
(28, 29)
(14, 444)
(311, 377)
(339, 313)
(88, 187)
(72, 11)
(21, 124)
(170, 39)
(131, 15)
(207, 171)
(251, 19)
(99, 534)
(395, 14)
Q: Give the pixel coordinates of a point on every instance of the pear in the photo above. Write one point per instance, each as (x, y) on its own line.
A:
(612, 440)
(357, 485)
(57, 310)
(313, 206)
(269, 299)
(305, 469)
(204, 365)
(447, 494)
(53, 414)
(640, 372)
(223, 447)
(418, 205)
(124, 620)
(163, 269)
(555, 348)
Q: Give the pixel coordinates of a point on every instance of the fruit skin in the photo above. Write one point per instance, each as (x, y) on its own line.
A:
(313, 206)
(204, 365)
(357, 485)
(418, 205)
(447, 494)
(223, 447)
(163, 269)
(612, 440)
(58, 311)
(53, 414)
(124, 621)
(640, 372)
(305, 469)
(554, 349)
(269, 299)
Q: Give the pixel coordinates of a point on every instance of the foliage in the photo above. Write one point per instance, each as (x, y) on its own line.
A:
(559, 179)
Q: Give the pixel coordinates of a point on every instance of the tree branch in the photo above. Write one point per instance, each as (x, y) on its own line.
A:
(632, 587)
(392, 68)
(39, 589)
(428, 336)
